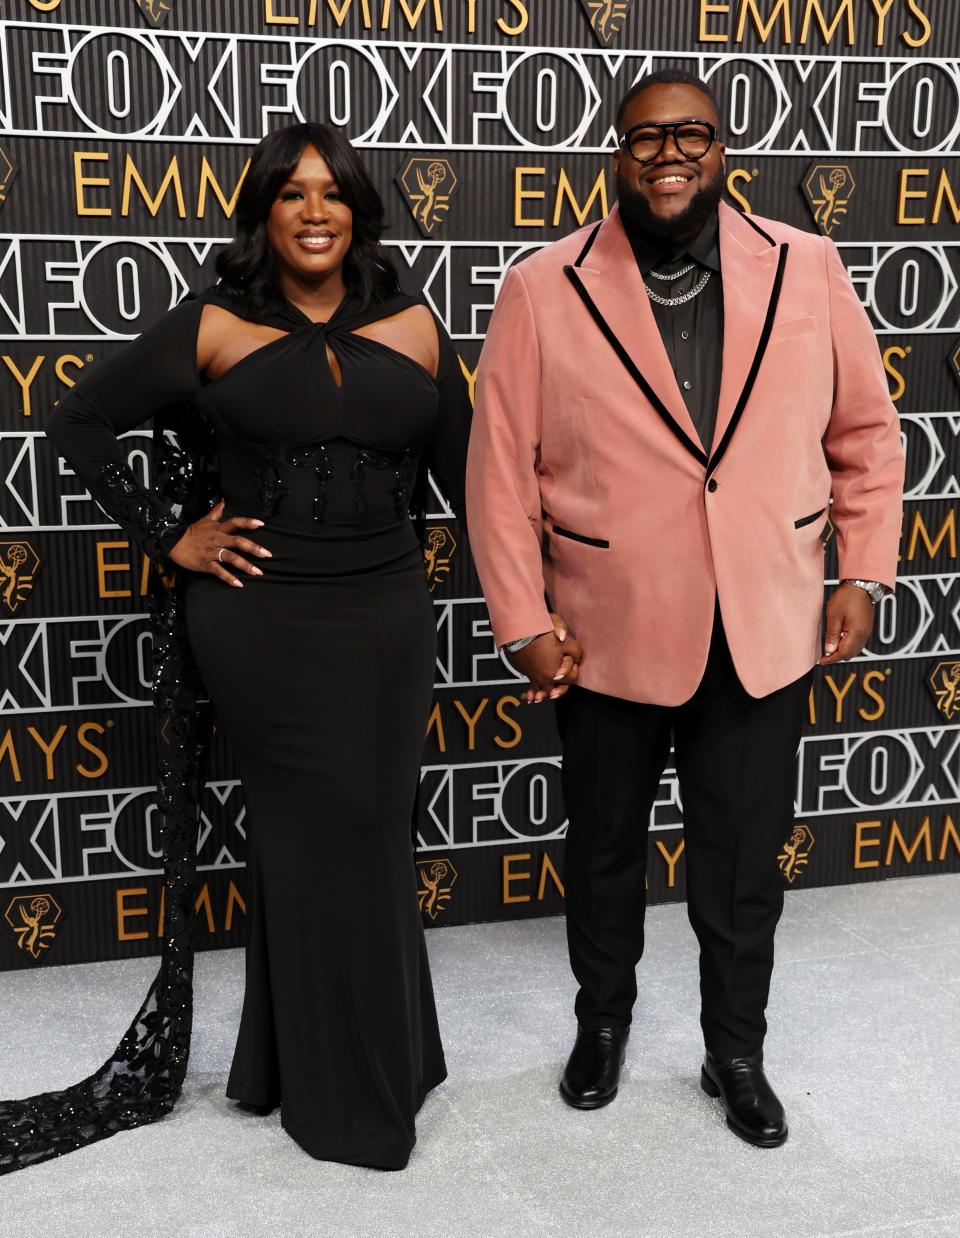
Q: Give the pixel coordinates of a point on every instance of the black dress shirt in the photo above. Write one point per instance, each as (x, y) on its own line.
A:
(693, 332)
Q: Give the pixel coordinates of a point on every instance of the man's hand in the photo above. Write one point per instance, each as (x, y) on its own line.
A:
(551, 663)
(849, 624)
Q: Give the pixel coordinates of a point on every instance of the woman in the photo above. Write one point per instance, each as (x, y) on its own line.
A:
(305, 608)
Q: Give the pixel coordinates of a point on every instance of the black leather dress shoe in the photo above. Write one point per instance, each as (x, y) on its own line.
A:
(592, 1074)
(753, 1111)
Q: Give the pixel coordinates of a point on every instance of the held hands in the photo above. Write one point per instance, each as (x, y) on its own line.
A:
(212, 543)
(551, 663)
(849, 624)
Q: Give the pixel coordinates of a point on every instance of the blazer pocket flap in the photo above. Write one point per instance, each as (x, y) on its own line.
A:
(580, 537)
(798, 524)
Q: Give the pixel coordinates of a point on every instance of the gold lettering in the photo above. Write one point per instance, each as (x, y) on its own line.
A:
(917, 12)
(207, 179)
(565, 191)
(733, 179)
(814, 9)
(947, 531)
(125, 913)
(81, 181)
(24, 380)
(547, 869)
(906, 193)
(949, 833)
(896, 839)
(60, 368)
(520, 195)
(840, 693)
(781, 10)
(103, 567)
(861, 843)
(234, 899)
(276, 19)
(131, 177)
(671, 858)
(8, 750)
(508, 877)
(945, 195)
(522, 20)
(145, 576)
(471, 720)
(812, 707)
(900, 353)
(204, 904)
(340, 14)
(45, 6)
(102, 763)
(436, 721)
(471, 16)
(708, 10)
(511, 722)
(882, 8)
(412, 15)
(871, 677)
(470, 376)
(48, 749)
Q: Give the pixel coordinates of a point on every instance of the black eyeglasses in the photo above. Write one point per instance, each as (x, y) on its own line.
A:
(692, 138)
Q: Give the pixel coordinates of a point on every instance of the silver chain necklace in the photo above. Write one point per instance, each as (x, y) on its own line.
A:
(673, 274)
(684, 297)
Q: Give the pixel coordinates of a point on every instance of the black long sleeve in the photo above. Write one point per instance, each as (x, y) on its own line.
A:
(155, 372)
(446, 453)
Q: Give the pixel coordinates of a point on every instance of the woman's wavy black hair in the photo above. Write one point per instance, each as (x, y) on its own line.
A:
(247, 267)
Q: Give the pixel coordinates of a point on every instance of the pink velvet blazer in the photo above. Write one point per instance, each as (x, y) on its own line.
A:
(587, 481)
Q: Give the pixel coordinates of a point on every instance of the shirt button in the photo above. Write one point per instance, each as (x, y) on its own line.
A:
(687, 384)
(711, 485)
(684, 335)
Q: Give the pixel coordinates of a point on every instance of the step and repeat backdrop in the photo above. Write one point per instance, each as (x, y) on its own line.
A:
(126, 130)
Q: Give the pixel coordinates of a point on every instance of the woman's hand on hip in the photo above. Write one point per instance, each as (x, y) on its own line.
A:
(214, 545)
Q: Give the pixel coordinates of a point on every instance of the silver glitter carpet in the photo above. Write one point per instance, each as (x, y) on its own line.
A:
(863, 1048)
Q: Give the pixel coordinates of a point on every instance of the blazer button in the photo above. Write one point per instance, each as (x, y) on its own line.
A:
(711, 485)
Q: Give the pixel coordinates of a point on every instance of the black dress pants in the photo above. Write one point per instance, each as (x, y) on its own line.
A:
(735, 765)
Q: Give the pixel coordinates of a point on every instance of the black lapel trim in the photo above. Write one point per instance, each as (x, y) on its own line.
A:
(805, 520)
(635, 374)
(756, 227)
(589, 245)
(718, 454)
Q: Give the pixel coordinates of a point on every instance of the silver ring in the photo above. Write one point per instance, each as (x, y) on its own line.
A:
(219, 553)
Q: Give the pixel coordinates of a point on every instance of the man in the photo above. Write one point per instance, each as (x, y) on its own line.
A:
(665, 403)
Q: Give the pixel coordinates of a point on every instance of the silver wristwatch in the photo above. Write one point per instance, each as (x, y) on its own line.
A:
(876, 591)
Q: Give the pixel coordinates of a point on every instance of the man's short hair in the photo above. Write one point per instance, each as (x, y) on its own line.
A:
(668, 77)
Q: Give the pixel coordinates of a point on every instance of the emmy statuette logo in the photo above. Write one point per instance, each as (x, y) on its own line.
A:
(438, 549)
(427, 183)
(155, 11)
(606, 18)
(796, 853)
(7, 173)
(435, 881)
(828, 189)
(955, 360)
(18, 566)
(33, 919)
(944, 683)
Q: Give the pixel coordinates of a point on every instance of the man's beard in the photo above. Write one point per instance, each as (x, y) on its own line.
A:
(638, 214)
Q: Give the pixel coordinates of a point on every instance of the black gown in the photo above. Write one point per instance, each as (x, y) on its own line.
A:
(320, 674)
